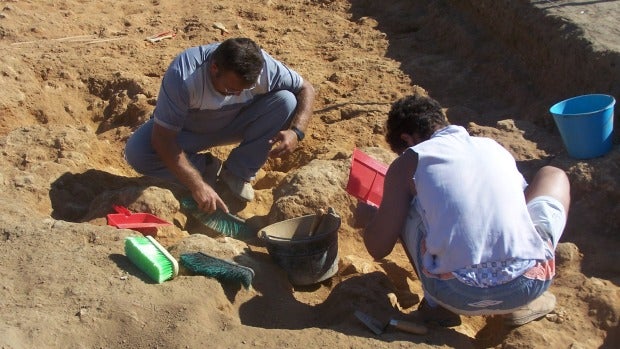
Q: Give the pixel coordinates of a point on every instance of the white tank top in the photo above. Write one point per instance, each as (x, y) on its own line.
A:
(470, 197)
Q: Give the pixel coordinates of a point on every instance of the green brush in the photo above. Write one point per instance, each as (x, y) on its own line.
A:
(220, 221)
(151, 257)
(220, 269)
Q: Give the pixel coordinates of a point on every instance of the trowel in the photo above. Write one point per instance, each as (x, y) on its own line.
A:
(378, 327)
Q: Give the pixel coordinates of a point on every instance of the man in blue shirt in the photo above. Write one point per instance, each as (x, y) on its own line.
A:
(218, 94)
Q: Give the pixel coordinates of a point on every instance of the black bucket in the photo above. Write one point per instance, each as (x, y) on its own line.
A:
(307, 257)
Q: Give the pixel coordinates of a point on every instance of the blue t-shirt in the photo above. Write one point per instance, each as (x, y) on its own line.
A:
(188, 101)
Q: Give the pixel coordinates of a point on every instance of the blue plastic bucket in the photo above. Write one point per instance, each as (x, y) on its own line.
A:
(585, 124)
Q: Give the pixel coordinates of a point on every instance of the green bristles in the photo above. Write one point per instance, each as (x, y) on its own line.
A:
(220, 221)
(151, 257)
(220, 269)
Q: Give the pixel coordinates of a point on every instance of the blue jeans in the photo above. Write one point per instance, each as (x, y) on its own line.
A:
(461, 298)
(252, 128)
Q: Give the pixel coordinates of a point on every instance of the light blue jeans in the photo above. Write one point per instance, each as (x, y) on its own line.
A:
(549, 219)
(252, 128)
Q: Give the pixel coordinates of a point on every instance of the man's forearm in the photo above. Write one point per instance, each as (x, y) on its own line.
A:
(303, 113)
(163, 141)
(179, 165)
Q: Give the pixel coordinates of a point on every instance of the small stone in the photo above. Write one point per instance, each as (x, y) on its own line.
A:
(220, 27)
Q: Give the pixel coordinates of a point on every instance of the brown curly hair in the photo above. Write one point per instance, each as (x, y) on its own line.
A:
(414, 114)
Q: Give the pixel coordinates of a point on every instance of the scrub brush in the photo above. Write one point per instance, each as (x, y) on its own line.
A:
(220, 221)
(220, 269)
(151, 257)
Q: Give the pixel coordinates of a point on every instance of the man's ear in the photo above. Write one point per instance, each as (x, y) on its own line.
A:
(410, 139)
(213, 68)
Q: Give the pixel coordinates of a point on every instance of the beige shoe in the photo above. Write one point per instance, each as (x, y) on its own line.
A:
(537, 308)
(243, 190)
(212, 169)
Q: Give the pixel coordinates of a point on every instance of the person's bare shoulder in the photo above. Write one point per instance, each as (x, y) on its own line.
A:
(400, 173)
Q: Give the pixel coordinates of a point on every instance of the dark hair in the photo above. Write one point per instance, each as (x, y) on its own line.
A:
(415, 114)
(240, 55)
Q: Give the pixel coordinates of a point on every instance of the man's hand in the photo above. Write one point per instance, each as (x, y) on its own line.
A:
(285, 142)
(207, 199)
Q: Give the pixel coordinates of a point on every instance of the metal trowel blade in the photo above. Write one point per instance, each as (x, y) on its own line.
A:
(373, 324)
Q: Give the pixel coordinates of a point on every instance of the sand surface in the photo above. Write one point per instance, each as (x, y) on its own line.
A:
(79, 76)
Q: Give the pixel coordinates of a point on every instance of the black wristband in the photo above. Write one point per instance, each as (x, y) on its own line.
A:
(300, 134)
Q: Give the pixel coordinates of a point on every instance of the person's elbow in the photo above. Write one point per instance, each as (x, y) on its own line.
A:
(162, 139)
(377, 248)
(307, 89)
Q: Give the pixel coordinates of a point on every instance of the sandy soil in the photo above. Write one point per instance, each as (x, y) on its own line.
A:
(78, 77)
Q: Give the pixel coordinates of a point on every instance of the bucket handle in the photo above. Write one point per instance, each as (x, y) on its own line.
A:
(263, 235)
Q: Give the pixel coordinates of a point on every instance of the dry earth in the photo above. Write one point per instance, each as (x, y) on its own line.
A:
(78, 77)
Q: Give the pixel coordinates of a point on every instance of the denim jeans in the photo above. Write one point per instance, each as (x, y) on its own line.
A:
(252, 128)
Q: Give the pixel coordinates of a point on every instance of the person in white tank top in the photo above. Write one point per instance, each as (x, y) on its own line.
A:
(480, 238)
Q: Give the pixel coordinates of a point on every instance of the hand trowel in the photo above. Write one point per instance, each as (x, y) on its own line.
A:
(378, 327)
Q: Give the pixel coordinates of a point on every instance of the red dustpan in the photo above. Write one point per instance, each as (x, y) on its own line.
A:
(366, 178)
(145, 223)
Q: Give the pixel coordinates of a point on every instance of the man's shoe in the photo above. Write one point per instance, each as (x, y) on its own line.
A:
(437, 315)
(239, 187)
(213, 167)
(537, 308)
